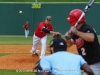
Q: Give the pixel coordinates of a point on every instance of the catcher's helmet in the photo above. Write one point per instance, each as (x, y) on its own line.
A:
(74, 16)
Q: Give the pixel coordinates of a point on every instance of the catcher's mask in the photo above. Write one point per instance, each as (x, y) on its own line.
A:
(58, 44)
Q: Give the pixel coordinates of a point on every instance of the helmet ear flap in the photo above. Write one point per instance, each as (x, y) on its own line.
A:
(68, 19)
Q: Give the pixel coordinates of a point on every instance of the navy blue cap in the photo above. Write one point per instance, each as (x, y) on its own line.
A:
(58, 44)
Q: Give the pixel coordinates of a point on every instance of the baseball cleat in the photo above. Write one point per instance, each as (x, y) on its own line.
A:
(36, 54)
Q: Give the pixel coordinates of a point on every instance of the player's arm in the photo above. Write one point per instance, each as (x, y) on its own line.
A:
(42, 28)
(85, 66)
(45, 30)
(51, 32)
(86, 36)
(87, 69)
(24, 26)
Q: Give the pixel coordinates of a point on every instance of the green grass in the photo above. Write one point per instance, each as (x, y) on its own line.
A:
(46, 0)
(4, 54)
(15, 72)
(18, 40)
(15, 40)
(99, 38)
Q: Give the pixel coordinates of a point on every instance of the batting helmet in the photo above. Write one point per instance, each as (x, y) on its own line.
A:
(74, 16)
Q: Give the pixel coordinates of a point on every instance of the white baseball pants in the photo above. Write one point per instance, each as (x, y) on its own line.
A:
(26, 33)
(36, 41)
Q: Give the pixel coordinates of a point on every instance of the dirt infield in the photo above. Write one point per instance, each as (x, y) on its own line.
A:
(20, 58)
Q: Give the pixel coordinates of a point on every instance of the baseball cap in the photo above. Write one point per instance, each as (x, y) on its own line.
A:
(48, 18)
(58, 44)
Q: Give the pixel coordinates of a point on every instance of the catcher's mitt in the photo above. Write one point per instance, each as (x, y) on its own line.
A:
(56, 36)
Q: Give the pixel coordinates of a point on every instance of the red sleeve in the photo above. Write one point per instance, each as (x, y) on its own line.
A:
(41, 25)
(24, 26)
(51, 28)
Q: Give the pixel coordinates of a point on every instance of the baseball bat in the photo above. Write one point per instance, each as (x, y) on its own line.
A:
(87, 7)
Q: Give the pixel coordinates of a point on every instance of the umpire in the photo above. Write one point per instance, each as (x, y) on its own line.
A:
(62, 62)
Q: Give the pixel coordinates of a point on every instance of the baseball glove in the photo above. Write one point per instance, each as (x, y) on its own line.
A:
(55, 36)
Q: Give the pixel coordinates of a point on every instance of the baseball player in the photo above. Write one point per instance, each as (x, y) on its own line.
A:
(40, 34)
(86, 40)
(62, 62)
(26, 28)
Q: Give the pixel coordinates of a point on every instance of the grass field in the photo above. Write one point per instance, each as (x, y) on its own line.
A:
(17, 40)
(46, 0)
(14, 72)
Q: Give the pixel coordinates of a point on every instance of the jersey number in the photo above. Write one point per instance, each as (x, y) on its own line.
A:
(83, 51)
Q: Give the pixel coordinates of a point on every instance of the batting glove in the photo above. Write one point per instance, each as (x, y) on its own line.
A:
(73, 30)
(68, 35)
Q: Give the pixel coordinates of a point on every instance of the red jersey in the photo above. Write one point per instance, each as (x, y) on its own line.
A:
(39, 33)
(26, 26)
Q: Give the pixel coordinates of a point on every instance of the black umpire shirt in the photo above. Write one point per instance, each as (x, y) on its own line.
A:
(90, 51)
